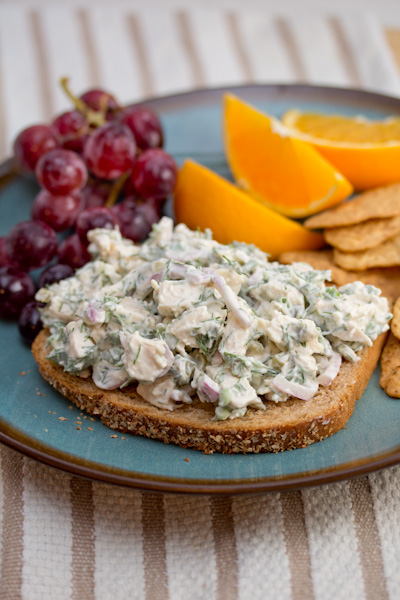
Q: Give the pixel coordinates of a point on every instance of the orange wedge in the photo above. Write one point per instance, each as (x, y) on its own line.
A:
(204, 199)
(280, 171)
(366, 152)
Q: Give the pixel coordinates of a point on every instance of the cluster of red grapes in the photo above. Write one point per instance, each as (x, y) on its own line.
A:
(84, 161)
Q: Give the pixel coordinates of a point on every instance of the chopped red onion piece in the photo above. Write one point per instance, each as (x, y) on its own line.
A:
(327, 376)
(295, 389)
(208, 389)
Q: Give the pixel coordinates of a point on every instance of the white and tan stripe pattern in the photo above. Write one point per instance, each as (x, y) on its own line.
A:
(369, 546)
(297, 545)
(63, 537)
(225, 548)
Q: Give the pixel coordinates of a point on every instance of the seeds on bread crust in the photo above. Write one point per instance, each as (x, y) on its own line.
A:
(284, 426)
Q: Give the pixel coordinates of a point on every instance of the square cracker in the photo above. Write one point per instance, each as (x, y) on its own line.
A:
(379, 203)
(386, 254)
(386, 279)
(363, 236)
(390, 366)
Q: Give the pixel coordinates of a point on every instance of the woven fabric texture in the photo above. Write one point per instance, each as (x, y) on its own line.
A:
(62, 537)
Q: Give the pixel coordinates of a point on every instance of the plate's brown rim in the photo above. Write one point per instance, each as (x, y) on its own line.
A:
(88, 469)
(159, 483)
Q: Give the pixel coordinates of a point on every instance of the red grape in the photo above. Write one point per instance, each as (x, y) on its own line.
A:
(95, 194)
(71, 124)
(73, 253)
(32, 143)
(16, 289)
(99, 100)
(61, 172)
(55, 273)
(29, 322)
(60, 212)
(152, 207)
(154, 174)
(31, 244)
(144, 125)
(91, 218)
(72, 130)
(136, 218)
(110, 151)
(5, 260)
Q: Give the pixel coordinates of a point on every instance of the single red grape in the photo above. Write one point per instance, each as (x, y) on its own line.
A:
(69, 125)
(110, 151)
(132, 224)
(31, 244)
(5, 260)
(136, 218)
(32, 143)
(72, 130)
(60, 212)
(29, 322)
(154, 174)
(61, 172)
(99, 100)
(16, 289)
(95, 194)
(73, 253)
(144, 125)
(152, 207)
(92, 218)
(55, 273)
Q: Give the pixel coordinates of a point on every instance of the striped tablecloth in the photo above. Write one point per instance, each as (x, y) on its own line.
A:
(65, 538)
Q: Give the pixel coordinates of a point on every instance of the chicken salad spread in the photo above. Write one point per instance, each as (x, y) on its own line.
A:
(184, 316)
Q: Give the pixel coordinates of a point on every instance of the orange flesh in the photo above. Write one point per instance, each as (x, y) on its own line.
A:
(204, 199)
(278, 170)
(366, 152)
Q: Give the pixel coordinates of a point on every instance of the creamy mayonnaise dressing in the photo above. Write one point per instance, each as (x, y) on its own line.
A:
(183, 315)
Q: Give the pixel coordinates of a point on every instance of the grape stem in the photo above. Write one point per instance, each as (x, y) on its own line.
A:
(116, 189)
(96, 119)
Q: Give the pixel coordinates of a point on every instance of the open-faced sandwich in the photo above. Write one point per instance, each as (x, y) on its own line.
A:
(209, 346)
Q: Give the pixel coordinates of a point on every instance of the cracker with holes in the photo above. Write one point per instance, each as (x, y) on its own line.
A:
(384, 255)
(363, 236)
(380, 203)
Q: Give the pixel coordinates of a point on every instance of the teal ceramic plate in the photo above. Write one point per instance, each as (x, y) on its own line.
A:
(41, 423)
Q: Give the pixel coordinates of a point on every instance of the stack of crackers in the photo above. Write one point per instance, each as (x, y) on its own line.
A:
(364, 235)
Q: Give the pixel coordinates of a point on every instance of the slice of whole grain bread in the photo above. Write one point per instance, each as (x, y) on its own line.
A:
(284, 426)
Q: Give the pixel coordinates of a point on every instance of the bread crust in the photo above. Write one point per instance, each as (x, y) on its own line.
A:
(284, 426)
